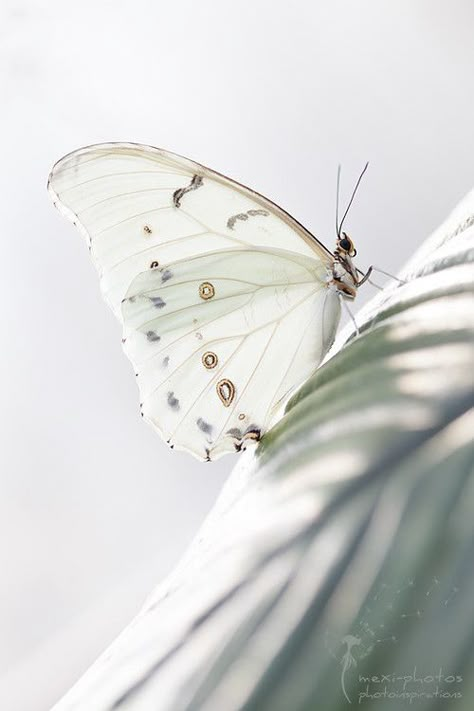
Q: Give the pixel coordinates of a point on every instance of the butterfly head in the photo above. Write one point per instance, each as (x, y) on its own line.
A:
(345, 246)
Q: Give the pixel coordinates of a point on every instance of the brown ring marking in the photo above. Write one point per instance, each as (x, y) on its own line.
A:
(206, 290)
(226, 391)
(209, 360)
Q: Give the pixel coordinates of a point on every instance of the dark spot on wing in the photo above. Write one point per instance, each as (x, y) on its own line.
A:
(251, 428)
(232, 220)
(166, 275)
(255, 213)
(147, 229)
(253, 433)
(152, 336)
(173, 402)
(235, 432)
(165, 361)
(195, 183)
(204, 426)
(245, 216)
(157, 302)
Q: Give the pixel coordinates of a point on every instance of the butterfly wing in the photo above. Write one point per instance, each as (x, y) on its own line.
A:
(222, 294)
(138, 205)
(219, 340)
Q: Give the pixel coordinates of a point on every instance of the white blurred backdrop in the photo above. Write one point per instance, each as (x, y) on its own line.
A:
(94, 509)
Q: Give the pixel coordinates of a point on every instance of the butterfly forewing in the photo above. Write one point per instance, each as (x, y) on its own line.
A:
(138, 205)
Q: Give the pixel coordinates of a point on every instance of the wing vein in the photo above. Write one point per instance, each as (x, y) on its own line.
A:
(218, 279)
(208, 323)
(204, 304)
(131, 217)
(116, 175)
(163, 244)
(120, 195)
(211, 231)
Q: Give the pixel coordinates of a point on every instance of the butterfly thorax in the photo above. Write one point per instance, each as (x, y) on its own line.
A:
(343, 274)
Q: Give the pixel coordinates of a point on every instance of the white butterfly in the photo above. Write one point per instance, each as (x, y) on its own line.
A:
(227, 303)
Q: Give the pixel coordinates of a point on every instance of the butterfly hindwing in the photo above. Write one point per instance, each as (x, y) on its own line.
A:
(222, 340)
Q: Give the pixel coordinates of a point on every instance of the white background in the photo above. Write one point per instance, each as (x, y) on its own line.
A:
(94, 509)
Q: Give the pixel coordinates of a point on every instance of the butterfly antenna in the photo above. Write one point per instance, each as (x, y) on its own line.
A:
(352, 198)
(337, 199)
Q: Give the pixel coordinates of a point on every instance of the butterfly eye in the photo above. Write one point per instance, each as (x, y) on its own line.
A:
(347, 245)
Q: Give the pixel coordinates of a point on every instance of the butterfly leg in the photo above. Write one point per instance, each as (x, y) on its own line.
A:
(365, 277)
(387, 274)
(351, 315)
(372, 283)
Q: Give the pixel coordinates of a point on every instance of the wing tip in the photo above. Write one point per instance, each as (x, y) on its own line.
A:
(67, 161)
